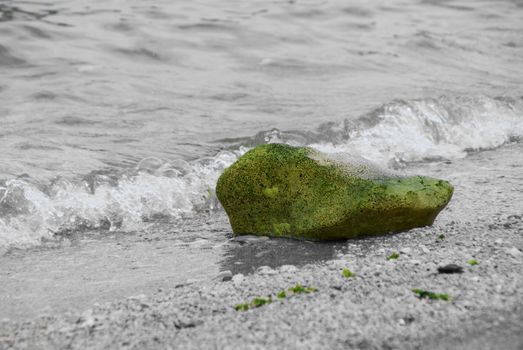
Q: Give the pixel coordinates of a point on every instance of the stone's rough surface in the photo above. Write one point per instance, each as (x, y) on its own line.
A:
(280, 190)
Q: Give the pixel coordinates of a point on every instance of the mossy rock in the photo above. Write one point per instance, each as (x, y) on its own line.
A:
(285, 191)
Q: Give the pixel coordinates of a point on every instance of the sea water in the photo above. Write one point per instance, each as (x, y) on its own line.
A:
(116, 113)
(117, 117)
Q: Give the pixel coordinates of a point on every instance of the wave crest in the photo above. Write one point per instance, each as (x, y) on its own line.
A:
(402, 131)
(29, 213)
(392, 135)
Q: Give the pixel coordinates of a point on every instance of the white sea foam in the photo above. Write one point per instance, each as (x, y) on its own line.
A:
(443, 128)
(394, 134)
(155, 188)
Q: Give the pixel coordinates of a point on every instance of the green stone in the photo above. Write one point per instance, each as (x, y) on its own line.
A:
(285, 191)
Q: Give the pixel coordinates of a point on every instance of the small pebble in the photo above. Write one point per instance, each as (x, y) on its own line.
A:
(405, 250)
(515, 252)
(424, 249)
(224, 276)
(238, 279)
(450, 268)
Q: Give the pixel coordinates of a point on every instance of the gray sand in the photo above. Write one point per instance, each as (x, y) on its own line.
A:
(375, 309)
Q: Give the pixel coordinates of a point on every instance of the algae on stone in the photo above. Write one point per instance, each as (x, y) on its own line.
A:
(280, 190)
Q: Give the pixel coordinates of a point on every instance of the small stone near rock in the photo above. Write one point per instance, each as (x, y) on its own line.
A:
(498, 241)
(224, 276)
(238, 279)
(227, 278)
(414, 262)
(515, 252)
(450, 268)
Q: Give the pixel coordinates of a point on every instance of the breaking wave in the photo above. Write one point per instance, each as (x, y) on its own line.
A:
(405, 131)
(392, 135)
(111, 201)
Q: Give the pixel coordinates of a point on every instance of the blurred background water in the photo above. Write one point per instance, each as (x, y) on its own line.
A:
(115, 114)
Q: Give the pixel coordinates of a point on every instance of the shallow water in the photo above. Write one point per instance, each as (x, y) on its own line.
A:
(116, 115)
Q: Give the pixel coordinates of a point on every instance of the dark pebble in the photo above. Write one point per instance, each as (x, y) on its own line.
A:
(450, 268)
(226, 278)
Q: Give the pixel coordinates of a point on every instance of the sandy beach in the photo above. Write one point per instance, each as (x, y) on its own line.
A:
(117, 119)
(374, 309)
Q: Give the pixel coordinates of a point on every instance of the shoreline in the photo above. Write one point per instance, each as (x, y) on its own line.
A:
(374, 309)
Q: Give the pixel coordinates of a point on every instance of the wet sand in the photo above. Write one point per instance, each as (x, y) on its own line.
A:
(69, 276)
(179, 303)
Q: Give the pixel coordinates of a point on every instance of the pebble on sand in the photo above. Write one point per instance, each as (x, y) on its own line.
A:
(450, 268)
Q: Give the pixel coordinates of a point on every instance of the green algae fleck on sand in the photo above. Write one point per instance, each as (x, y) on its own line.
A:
(430, 295)
(347, 273)
(393, 256)
(261, 301)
